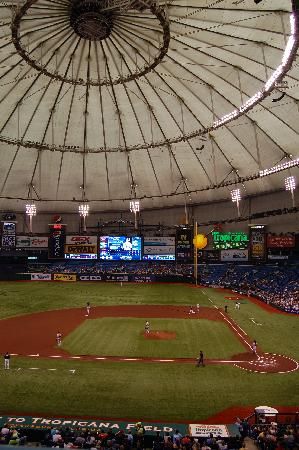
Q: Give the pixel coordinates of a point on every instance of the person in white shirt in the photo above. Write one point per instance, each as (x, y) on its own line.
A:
(127, 245)
(147, 327)
(6, 360)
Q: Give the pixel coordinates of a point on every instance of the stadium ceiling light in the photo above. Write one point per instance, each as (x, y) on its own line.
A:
(135, 208)
(83, 212)
(236, 198)
(30, 212)
(279, 167)
(290, 185)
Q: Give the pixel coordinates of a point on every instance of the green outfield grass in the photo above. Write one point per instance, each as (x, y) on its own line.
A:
(172, 392)
(125, 337)
(28, 297)
(153, 391)
(278, 333)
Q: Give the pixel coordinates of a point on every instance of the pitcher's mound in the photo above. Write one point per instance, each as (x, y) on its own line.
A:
(160, 335)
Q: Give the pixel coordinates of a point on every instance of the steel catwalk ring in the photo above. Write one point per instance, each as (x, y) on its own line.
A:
(244, 109)
(156, 11)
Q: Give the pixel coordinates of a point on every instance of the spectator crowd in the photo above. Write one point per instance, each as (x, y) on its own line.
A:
(265, 436)
(278, 286)
(117, 267)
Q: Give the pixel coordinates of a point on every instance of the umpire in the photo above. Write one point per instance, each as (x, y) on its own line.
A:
(200, 360)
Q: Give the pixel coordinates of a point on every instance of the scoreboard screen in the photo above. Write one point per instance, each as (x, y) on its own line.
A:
(120, 248)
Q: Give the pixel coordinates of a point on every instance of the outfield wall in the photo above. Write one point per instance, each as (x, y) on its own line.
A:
(119, 278)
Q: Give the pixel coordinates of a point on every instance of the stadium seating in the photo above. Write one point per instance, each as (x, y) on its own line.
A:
(276, 285)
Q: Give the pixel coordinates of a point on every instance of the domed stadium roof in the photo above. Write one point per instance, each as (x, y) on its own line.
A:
(164, 101)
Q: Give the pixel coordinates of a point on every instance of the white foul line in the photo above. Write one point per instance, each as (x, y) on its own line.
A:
(129, 359)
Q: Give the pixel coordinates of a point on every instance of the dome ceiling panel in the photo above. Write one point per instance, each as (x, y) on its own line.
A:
(18, 175)
(107, 95)
(69, 176)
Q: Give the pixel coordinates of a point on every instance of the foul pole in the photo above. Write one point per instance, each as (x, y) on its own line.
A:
(195, 254)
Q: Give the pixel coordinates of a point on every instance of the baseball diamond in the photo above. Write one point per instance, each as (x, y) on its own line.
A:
(149, 240)
(112, 338)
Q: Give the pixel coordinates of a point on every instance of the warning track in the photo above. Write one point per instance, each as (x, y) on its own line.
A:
(34, 336)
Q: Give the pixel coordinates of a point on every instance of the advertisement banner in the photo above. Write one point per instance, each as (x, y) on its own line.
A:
(91, 278)
(22, 241)
(64, 277)
(211, 255)
(9, 228)
(39, 242)
(236, 239)
(184, 246)
(158, 257)
(257, 243)
(82, 240)
(282, 241)
(82, 248)
(278, 257)
(8, 240)
(81, 256)
(143, 278)
(57, 241)
(159, 245)
(40, 277)
(234, 255)
(117, 277)
(32, 242)
(199, 430)
(43, 423)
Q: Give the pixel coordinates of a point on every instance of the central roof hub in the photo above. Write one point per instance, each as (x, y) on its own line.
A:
(89, 21)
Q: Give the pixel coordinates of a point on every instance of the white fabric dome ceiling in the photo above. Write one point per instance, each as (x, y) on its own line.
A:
(121, 100)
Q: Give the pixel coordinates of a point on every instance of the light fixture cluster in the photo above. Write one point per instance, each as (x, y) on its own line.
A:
(279, 167)
(31, 210)
(84, 210)
(290, 183)
(275, 77)
(236, 198)
(134, 206)
(236, 195)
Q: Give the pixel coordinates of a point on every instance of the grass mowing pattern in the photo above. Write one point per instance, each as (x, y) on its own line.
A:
(28, 297)
(124, 337)
(172, 392)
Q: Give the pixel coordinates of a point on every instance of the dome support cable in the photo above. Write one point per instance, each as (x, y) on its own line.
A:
(240, 84)
(133, 109)
(102, 116)
(52, 110)
(179, 127)
(28, 123)
(151, 116)
(86, 113)
(155, 118)
(258, 152)
(130, 173)
(264, 61)
(228, 128)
